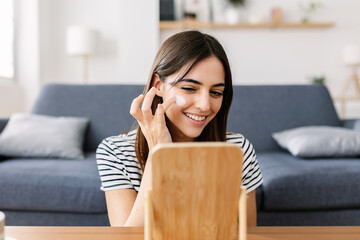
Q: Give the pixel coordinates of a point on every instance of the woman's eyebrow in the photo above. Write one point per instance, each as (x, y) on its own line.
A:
(219, 85)
(199, 83)
(190, 80)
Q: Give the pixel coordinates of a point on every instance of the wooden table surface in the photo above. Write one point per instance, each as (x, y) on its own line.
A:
(119, 233)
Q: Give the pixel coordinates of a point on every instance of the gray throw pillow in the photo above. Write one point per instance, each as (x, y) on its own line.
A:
(30, 135)
(320, 141)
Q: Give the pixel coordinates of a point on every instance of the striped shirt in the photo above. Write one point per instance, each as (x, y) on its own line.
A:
(119, 168)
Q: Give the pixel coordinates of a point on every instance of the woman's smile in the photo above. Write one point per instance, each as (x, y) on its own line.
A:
(198, 120)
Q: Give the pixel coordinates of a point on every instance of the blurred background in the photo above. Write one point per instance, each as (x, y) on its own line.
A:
(267, 42)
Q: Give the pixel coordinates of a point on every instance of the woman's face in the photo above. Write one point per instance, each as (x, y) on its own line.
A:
(202, 88)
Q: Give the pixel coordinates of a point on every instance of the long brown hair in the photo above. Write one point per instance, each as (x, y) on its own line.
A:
(187, 49)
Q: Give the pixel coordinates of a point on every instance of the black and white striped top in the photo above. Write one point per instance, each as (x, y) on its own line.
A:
(120, 169)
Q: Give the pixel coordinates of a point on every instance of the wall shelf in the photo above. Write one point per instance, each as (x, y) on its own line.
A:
(196, 24)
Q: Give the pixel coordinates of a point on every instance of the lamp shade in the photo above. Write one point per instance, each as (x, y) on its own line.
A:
(81, 41)
(351, 55)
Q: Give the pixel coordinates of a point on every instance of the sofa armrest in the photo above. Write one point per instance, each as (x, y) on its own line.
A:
(3, 122)
(351, 124)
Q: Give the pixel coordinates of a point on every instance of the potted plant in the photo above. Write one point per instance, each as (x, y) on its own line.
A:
(308, 9)
(318, 79)
(232, 13)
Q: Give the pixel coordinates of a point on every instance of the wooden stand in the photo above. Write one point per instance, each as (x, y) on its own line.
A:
(353, 78)
(343, 99)
(196, 192)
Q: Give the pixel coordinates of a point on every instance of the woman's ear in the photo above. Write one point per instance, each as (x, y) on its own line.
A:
(157, 84)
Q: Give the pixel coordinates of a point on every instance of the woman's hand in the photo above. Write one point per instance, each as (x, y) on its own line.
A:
(153, 126)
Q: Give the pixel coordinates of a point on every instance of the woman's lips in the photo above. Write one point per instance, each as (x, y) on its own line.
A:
(196, 119)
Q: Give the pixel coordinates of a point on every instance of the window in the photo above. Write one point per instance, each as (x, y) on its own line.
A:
(6, 39)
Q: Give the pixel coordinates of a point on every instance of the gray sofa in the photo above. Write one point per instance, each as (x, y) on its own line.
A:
(295, 191)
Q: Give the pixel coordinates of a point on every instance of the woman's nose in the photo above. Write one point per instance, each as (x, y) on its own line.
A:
(203, 102)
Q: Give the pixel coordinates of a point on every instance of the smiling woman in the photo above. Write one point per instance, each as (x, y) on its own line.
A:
(193, 66)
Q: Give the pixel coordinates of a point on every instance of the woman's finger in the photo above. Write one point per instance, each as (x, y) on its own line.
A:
(146, 106)
(168, 103)
(135, 108)
(160, 115)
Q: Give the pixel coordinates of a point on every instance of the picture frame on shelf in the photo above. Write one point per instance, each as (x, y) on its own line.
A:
(199, 9)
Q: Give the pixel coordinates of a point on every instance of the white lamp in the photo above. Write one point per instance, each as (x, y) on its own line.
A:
(82, 42)
(351, 58)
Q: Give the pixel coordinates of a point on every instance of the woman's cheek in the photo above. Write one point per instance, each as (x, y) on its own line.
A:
(180, 100)
(176, 109)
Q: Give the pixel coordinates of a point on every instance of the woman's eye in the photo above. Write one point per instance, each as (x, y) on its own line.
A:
(216, 93)
(188, 89)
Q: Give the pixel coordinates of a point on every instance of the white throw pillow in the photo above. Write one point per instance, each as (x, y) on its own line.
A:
(31, 135)
(320, 141)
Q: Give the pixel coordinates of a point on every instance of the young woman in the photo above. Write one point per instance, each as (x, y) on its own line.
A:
(187, 98)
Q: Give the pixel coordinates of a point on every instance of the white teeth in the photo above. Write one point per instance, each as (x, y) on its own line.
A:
(195, 117)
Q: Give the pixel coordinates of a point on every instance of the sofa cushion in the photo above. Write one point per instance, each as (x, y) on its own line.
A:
(40, 218)
(55, 185)
(292, 183)
(258, 111)
(32, 135)
(107, 107)
(320, 141)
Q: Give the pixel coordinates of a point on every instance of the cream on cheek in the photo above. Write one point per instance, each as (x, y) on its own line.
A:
(176, 110)
(180, 100)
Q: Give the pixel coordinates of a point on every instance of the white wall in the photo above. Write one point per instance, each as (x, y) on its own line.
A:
(130, 38)
(138, 40)
(18, 95)
(56, 16)
(28, 68)
(11, 99)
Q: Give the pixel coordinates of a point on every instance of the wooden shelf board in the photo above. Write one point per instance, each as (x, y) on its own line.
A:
(354, 98)
(196, 24)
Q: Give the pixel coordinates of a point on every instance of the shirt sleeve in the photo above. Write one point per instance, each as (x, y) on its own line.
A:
(251, 176)
(112, 170)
